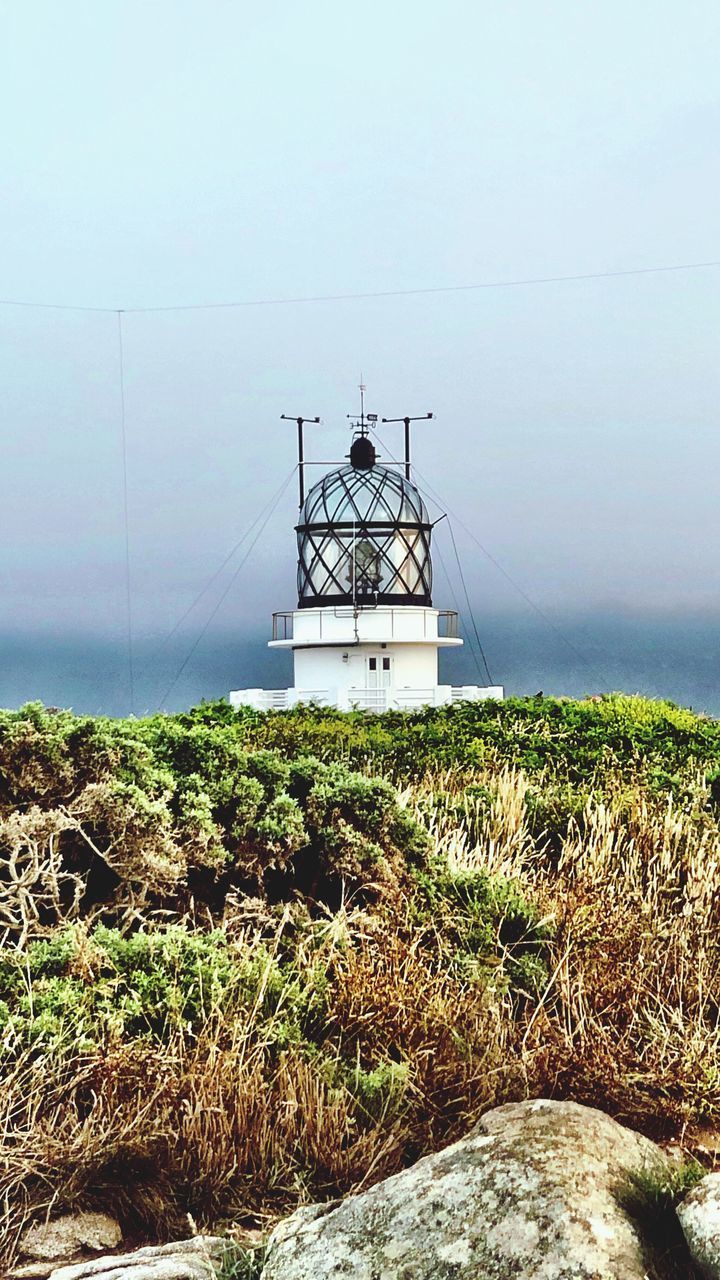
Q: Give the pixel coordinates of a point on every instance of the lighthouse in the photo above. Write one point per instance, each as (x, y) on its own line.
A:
(365, 633)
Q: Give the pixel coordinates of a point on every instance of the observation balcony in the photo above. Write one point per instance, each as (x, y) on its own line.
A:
(383, 624)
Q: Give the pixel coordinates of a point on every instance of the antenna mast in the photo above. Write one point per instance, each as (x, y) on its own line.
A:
(301, 449)
(421, 418)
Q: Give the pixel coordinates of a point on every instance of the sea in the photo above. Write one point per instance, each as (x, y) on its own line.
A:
(674, 656)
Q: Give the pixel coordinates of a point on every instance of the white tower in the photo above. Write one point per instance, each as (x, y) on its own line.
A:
(365, 633)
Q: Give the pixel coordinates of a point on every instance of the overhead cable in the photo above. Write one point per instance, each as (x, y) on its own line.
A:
(126, 513)
(520, 282)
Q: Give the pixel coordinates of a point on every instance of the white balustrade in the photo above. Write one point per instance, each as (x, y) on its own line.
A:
(375, 700)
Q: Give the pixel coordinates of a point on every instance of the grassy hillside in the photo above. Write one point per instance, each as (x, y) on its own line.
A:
(251, 959)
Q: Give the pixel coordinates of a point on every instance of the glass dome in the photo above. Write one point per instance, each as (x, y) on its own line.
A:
(364, 537)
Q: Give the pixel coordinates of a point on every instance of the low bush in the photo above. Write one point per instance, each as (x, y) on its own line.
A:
(487, 924)
(83, 990)
(102, 820)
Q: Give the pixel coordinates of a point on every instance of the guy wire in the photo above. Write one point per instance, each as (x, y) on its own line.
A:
(467, 601)
(528, 600)
(269, 512)
(447, 575)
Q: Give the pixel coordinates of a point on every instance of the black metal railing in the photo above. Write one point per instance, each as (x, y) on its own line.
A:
(448, 624)
(282, 626)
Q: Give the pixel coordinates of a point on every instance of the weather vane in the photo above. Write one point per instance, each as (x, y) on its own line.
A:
(366, 420)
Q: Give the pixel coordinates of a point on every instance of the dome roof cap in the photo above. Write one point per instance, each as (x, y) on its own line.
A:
(362, 453)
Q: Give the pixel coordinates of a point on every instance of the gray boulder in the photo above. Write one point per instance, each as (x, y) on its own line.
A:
(197, 1259)
(70, 1235)
(536, 1191)
(699, 1216)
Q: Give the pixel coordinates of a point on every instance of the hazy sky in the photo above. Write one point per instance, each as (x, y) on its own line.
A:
(160, 153)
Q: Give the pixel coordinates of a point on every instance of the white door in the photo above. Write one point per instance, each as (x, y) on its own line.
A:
(378, 672)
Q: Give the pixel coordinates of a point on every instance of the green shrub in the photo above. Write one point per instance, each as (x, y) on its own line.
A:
(82, 990)
(176, 810)
(380, 1092)
(650, 1196)
(582, 739)
(242, 1264)
(488, 921)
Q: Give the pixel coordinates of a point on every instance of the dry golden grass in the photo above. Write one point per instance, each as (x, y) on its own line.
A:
(630, 1019)
(215, 1128)
(222, 1123)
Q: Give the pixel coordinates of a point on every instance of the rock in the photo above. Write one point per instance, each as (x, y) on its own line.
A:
(534, 1192)
(33, 1271)
(196, 1259)
(70, 1235)
(699, 1217)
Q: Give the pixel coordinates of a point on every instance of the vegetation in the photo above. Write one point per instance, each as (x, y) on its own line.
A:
(247, 959)
(243, 1264)
(651, 1198)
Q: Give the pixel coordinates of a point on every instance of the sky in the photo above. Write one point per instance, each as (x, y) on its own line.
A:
(163, 157)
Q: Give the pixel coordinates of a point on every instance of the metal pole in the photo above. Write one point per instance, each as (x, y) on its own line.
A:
(301, 450)
(407, 421)
(301, 461)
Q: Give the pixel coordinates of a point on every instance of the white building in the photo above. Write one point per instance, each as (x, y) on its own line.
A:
(365, 633)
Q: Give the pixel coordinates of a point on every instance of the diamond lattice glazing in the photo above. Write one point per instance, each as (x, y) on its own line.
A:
(364, 537)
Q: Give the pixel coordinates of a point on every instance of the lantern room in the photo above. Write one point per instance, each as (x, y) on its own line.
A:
(364, 537)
